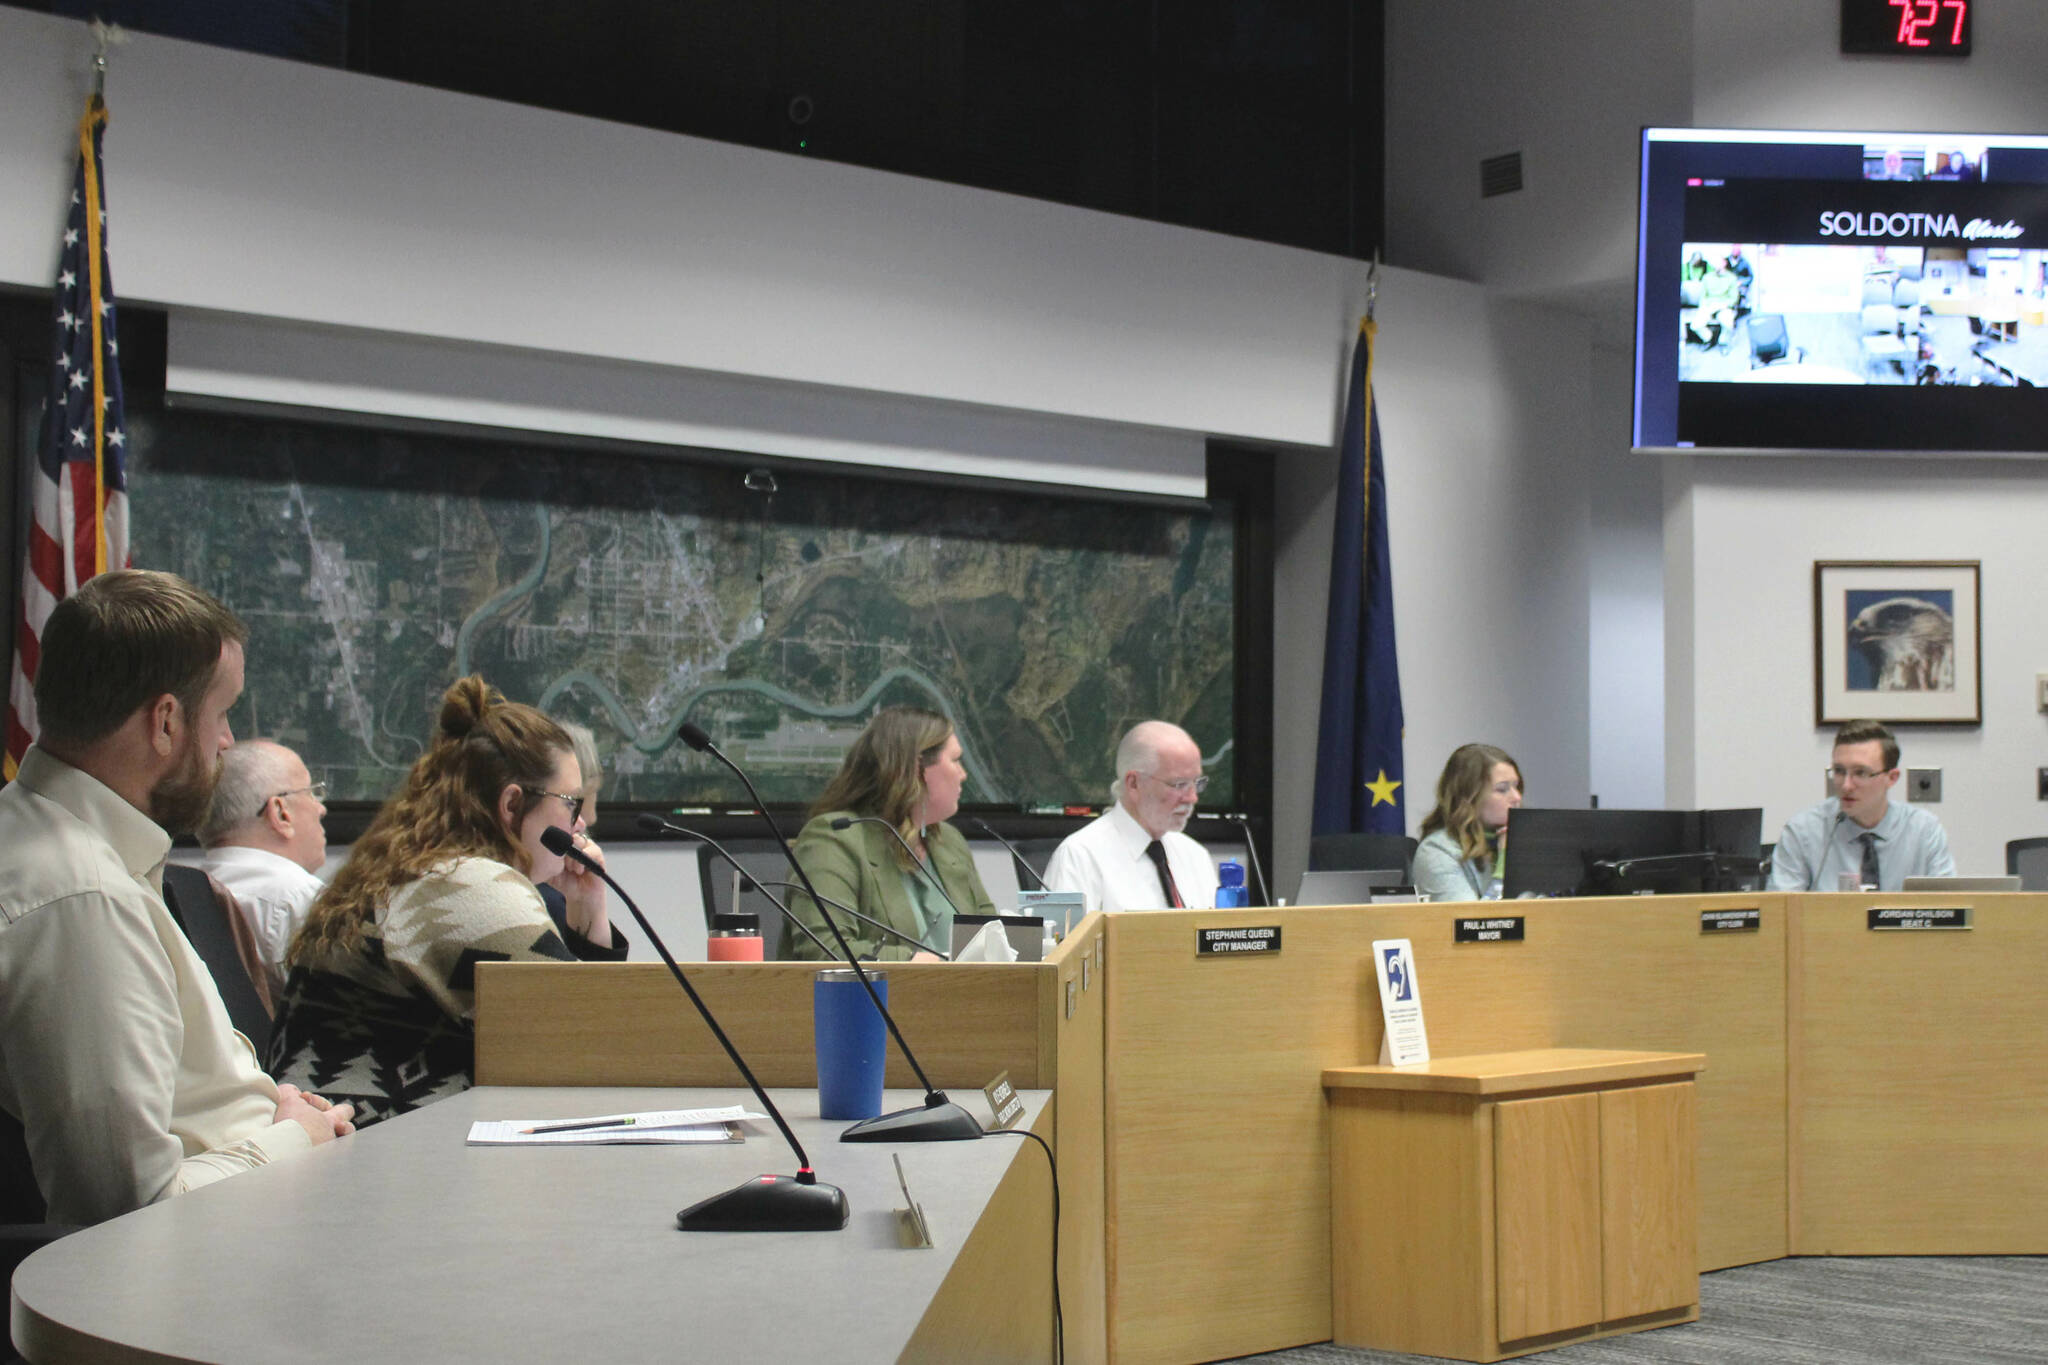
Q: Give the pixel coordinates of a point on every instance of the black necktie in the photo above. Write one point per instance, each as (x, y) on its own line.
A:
(1156, 851)
(1869, 873)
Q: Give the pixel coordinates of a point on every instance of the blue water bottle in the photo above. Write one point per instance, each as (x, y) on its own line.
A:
(1230, 892)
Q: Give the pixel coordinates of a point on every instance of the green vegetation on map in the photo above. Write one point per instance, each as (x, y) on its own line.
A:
(634, 592)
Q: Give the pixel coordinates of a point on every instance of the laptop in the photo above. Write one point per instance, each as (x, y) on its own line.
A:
(1960, 884)
(1352, 886)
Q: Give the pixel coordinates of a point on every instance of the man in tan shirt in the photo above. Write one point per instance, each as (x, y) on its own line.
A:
(117, 1060)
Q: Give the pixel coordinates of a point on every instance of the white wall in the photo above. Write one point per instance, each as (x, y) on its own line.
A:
(1757, 526)
(1625, 654)
(1568, 83)
(275, 189)
(1767, 64)
(1483, 418)
(1742, 534)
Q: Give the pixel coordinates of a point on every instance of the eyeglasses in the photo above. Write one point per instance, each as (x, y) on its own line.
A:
(318, 791)
(1857, 774)
(574, 803)
(1186, 786)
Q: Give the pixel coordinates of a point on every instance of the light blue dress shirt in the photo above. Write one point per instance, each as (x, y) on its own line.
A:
(1820, 844)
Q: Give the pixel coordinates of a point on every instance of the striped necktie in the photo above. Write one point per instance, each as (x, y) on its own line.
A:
(1156, 851)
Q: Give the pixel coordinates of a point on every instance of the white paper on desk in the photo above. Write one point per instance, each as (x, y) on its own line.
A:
(649, 1126)
(989, 944)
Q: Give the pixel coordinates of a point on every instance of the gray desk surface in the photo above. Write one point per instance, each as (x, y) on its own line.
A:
(403, 1243)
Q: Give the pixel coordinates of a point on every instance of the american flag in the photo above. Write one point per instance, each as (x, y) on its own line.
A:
(81, 484)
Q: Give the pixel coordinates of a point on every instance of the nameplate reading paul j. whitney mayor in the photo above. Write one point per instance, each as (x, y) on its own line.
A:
(1501, 929)
(1731, 921)
(1946, 917)
(1260, 938)
(1404, 1042)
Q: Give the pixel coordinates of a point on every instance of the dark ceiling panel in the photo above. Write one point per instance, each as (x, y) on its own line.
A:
(1258, 118)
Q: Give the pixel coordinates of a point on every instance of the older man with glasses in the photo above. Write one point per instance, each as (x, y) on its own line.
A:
(1134, 856)
(265, 837)
(1860, 832)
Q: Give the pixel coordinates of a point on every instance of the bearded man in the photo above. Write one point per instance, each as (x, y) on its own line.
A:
(121, 1080)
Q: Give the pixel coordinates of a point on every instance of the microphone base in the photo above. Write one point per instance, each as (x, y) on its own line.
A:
(768, 1203)
(946, 1122)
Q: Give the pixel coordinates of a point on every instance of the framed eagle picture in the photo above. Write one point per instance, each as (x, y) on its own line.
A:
(1897, 641)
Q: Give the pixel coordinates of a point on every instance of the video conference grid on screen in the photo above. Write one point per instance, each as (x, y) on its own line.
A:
(1842, 291)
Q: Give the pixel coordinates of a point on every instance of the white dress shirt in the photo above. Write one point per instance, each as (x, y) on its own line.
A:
(1105, 861)
(115, 1051)
(274, 893)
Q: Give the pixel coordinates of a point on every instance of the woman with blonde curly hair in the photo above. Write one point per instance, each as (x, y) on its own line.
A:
(905, 768)
(380, 998)
(1464, 839)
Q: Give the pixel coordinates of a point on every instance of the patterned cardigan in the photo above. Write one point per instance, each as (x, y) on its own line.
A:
(389, 1027)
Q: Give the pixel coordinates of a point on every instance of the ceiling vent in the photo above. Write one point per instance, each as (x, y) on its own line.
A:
(1500, 175)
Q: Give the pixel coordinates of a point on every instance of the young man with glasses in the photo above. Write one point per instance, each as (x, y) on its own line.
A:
(1134, 856)
(1861, 830)
(265, 838)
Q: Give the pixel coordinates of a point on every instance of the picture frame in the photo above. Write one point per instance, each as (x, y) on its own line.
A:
(1898, 641)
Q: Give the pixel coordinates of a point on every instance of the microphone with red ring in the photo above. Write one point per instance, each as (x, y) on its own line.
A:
(767, 1203)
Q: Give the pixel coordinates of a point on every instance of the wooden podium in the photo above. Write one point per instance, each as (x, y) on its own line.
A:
(1489, 1206)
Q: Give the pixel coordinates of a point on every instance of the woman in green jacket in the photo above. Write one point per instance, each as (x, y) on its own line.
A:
(903, 775)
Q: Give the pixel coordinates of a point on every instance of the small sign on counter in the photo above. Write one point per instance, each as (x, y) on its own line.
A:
(1500, 929)
(1261, 938)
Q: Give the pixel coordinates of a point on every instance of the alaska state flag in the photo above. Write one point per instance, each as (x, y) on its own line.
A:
(1358, 753)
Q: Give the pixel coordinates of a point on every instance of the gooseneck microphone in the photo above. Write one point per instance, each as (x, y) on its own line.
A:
(989, 830)
(654, 824)
(905, 939)
(930, 873)
(767, 1203)
(940, 1120)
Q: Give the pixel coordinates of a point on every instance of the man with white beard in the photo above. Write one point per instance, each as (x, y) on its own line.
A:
(1134, 856)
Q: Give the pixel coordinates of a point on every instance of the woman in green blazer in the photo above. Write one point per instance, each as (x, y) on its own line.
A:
(904, 770)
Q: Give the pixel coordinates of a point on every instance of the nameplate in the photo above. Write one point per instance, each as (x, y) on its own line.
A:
(1003, 1102)
(1731, 921)
(1504, 929)
(1947, 917)
(1264, 938)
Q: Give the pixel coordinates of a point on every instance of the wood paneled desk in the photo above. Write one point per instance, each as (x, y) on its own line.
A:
(404, 1244)
(1866, 1092)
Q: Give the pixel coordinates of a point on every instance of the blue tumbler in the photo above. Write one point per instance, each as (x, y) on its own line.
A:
(851, 1041)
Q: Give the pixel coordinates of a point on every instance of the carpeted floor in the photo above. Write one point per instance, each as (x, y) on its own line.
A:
(1870, 1310)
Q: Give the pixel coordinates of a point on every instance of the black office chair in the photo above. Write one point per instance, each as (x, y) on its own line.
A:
(762, 858)
(1361, 853)
(2027, 859)
(22, 1229)
(190, 897)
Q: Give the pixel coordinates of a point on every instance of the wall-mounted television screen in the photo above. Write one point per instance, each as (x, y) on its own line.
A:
(1800, 291)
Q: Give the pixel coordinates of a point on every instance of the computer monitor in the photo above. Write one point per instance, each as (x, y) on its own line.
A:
(1619, 852)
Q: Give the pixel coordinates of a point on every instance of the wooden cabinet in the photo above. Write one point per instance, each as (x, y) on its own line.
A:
(1489, 1206)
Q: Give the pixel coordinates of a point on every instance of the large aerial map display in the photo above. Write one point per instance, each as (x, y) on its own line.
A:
(634, 591)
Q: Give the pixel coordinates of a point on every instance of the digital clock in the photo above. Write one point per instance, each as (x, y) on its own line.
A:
(1907, 28)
